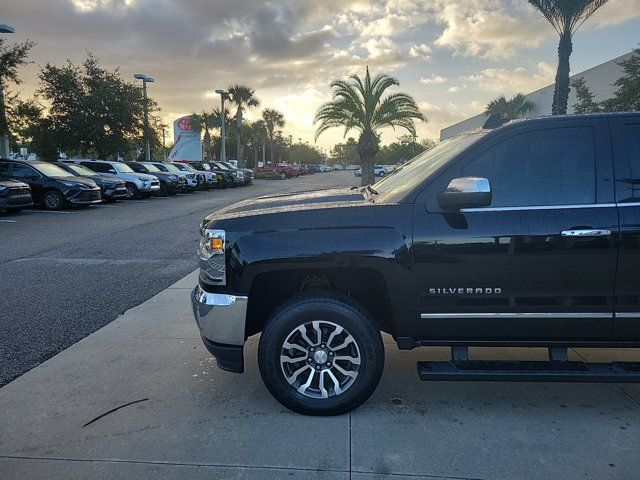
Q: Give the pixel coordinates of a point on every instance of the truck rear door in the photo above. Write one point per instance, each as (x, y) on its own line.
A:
(625, 135)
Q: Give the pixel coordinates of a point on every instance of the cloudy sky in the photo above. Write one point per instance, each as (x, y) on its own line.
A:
(453, 56)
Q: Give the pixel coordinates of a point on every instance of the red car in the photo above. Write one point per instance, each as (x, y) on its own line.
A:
(282, 169)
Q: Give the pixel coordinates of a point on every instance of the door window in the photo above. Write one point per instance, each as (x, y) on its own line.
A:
(629, 150)
(541, 168)
(23, 171)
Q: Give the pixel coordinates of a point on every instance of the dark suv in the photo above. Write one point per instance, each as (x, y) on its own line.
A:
(523, 235)
(170, 183)
(111, 188)
(51, 186)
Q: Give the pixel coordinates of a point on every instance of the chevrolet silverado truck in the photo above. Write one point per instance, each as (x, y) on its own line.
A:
(525, 234)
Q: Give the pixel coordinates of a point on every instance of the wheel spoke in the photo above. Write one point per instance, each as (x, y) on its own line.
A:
(294, 376)
(303, 388)
(284, 358)
(354, 360)
(323, 391)
(346, 342)
(345, 372)
(338, 330)
(316, 327)
(336, 383)
(303, 333)
(294, 346)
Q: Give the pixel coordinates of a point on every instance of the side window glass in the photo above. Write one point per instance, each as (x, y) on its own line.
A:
(543, 168)
(90, 165)
(4, 168)
(23, 171)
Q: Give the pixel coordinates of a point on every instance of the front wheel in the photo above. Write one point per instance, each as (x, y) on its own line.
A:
(132, 191)
(321, 355)
(53, 200)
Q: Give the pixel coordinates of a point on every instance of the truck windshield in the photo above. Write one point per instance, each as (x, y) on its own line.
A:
(406, 177)
(122, 168)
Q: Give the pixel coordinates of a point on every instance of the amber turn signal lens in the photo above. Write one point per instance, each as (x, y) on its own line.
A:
(216, 243)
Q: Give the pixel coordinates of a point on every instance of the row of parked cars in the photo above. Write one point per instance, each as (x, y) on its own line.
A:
(81, 182)
(290, 170)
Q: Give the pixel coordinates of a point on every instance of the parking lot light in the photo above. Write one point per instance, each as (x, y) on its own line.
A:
(145, 79)
(223, 150)
(5, 150)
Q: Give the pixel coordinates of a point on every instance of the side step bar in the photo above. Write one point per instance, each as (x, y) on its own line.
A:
(529, 371)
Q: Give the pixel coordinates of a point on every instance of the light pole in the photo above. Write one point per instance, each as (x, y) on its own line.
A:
(5, 151)
(145, 80)
(223, 150)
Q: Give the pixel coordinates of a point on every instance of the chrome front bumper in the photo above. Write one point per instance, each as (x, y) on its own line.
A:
(220, 317)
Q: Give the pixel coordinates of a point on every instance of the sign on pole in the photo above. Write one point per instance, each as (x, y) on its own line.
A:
(187, 143)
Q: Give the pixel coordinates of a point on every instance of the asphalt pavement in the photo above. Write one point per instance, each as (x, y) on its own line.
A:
(64, 275)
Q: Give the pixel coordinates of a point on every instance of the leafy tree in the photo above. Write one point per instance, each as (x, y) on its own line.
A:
(242, 97)
(346, 153)
(257, 137)
(566, 17)
(304, 153)
(627, 96)
(586, 102)
(11, 57)
(34, 129)
(515, 107)
(94, 110)
(273, 120)
(402, 150)
(359, 104)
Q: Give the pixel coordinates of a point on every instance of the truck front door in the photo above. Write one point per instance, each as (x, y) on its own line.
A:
(539, 262)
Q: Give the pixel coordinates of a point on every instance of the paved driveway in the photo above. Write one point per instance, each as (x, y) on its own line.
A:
(188, 419)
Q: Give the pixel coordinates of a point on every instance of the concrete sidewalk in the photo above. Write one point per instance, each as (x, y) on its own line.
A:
(192, 420)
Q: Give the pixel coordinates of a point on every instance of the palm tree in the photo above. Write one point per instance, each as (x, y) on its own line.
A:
(204, 121)
(566, 17)
(273, 120)
(358, 104)
(516, 107)
(242, 97)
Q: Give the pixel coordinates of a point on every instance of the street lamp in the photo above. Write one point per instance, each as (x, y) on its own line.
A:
(223, 150)
(145, 80)
(5, 151)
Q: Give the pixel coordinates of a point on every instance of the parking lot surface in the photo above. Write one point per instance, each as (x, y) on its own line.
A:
(65, 274)
(174, 415)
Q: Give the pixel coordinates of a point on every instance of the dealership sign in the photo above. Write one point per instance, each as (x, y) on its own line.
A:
(187, 143)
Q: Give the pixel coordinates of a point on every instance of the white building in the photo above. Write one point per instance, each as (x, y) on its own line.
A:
(599, 79)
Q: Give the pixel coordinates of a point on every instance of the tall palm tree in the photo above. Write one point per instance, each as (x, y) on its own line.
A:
(359, 104)
(273, 120)
(242, 97)
(566, 17)
(516, 107)
(204, 121)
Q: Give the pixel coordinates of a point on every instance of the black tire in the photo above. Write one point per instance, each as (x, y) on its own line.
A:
(132, 191)
(331, 310)
(283, 176)
(53, 200)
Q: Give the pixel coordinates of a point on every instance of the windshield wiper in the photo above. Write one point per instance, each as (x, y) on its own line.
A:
(368, 191)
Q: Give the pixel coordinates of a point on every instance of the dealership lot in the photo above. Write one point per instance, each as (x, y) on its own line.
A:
(140, 397)
(67, 273)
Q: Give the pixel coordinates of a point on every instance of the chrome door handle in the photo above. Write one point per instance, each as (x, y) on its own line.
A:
(586, 233)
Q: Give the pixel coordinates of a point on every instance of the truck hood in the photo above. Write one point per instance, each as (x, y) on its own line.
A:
(287, 202)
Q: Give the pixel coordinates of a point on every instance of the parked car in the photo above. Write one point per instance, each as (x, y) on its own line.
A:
(517, 236)
(190, 178)
(208, 178)
(111, 188)
(236, 177)
(325, 168)
(138, 184)
(246, 172)
(14, 195)
(378, 171)
(226, 177)
(51, 186)
(170, 183)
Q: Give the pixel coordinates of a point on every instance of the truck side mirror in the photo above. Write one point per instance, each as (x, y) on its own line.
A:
(465, 192)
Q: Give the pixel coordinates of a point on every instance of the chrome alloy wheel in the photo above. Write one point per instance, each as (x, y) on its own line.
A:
(52, 201)
(320, 359)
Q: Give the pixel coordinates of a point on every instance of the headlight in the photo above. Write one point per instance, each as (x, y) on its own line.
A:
(212, 256)
(73, 184)
(142, 179)
(3, 187)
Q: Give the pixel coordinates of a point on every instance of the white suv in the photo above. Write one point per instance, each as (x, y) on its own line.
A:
(138, 184)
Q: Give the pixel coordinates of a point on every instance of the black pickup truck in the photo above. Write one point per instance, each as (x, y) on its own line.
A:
(527, 234)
